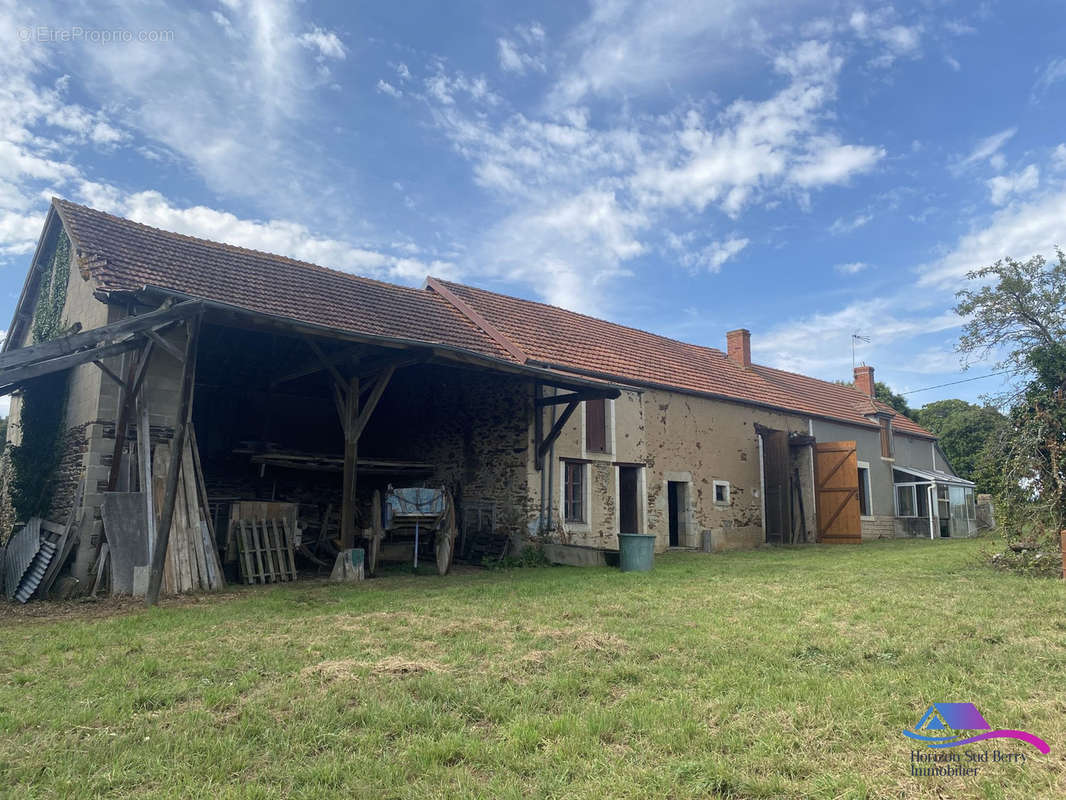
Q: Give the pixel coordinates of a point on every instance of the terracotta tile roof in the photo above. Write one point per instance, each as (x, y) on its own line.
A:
(122, 255)
(556, 336)
(125, 256)
(836, 400)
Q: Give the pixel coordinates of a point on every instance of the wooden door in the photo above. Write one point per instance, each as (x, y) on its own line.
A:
(628, 483)
(836, 480)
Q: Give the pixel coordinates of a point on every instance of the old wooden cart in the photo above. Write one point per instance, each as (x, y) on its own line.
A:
(409, 523)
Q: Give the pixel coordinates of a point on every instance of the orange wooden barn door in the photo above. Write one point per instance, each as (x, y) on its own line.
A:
(836, 479)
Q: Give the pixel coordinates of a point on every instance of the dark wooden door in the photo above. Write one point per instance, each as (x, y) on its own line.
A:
(836, 480)
(674, 506)
(628, 488)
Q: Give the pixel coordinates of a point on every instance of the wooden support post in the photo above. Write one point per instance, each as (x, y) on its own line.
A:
(351, 457)
(144, 460)
(538, 427)
(122, 421)
(188, 380)
(557, 428)
(372, 401)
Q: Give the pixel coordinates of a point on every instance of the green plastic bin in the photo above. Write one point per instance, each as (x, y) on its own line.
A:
(636, 552)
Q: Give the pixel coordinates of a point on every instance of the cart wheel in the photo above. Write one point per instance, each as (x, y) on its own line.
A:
(377, 533)
(446, 541)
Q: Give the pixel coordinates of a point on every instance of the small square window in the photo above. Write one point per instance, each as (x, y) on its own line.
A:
(721, 492)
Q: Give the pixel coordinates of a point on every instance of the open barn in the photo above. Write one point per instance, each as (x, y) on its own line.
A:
(244, 417)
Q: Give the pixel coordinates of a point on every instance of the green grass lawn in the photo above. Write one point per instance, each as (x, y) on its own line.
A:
(775, 673)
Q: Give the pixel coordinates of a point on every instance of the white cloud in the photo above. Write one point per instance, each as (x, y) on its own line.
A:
(325, 44)
(1058, 158)
(892, 39)
(851, 268)
(1019, 230)
(717, 253)
(633, 47)
(952, 62)
(835, 163)
(820, 343)
(987, 149)
(1001, 187)
(514, 58)
(841, 225)
(1054, 72)
(387, 88)
(230, 95)
(566, 183)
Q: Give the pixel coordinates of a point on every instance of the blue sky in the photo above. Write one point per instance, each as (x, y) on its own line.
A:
(807, 170)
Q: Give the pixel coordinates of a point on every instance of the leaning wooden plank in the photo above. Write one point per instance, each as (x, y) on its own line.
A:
(269, 573)
(290, 538)
(244, 561)
(213, 577)
(160, 467)
(101, 567)
(280, 549)
(272, 549)
(264, 549)
(179, 541)
(201, 485)
(189, 503)
(253, 542)
(285, 548)
(275, 564)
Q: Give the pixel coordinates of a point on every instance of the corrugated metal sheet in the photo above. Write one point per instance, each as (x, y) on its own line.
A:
(32, 577)
(20, 552)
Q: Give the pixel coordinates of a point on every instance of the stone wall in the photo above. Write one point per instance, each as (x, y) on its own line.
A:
(473, 426)
(879, 527)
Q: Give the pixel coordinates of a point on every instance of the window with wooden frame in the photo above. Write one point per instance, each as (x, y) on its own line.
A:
(573, 491)
(886, 438)
(596, 425)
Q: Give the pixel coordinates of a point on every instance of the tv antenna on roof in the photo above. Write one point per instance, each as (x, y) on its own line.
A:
(854, 338)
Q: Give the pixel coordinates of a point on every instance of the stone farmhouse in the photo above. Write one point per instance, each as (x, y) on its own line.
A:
(309, 385)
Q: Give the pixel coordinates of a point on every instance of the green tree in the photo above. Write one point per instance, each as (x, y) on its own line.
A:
(964, 430)
(1019, 307)
(885, 394)
(1018, 314)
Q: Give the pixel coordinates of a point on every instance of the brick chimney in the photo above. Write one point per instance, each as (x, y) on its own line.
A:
(864, 380)
(738, 346)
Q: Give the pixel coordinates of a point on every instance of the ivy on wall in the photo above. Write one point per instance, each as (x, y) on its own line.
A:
(44, 400)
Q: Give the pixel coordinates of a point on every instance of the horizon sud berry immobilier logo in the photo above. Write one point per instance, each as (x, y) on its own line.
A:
(953, 724)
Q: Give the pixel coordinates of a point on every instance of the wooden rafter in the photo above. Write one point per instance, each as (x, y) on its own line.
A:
(167, 346)
(26, 363)
(327, 364)
(323, 362)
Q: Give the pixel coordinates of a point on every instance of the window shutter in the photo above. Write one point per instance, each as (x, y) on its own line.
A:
(596, 426)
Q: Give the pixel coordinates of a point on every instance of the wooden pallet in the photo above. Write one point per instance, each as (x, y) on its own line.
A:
(265, 549)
